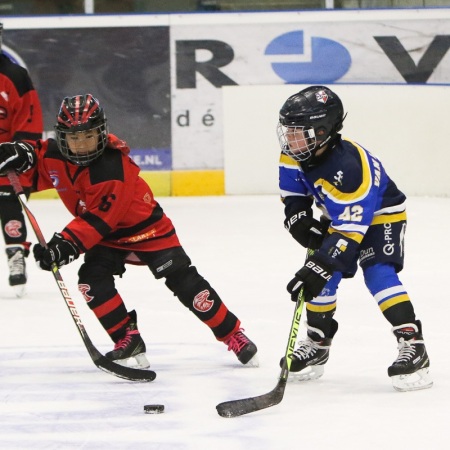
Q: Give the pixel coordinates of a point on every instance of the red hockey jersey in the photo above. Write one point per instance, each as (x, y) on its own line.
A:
(20, 110)
(111, 204)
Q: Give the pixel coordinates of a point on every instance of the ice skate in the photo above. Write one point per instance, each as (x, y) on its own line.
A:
(243, 348)
(309, 358)
(17, 268)
(130, 350)
(410, 371)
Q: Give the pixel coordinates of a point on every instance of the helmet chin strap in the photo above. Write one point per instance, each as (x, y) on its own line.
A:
(322, 148)
(323, 143)
(319, 146)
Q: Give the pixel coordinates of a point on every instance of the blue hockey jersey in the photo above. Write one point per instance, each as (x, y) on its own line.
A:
(351, 188)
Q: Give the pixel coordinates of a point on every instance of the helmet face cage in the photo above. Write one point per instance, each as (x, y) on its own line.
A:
(308, 121)
(297, 142)
(80, 114)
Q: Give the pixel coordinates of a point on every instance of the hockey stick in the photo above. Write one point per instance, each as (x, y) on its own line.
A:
(235, 408)
(99, 360)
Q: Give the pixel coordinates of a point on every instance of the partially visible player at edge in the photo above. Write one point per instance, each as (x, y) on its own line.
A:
(363, 218)
(116, 221)
(20, 119)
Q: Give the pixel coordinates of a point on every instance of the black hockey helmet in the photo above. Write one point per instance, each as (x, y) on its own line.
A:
(76, 114)
(318, 112)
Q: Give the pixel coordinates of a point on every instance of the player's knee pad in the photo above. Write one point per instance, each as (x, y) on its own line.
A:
(100, 265)
(380, 276)
(186, 283)
(96, 283)
(393, 300)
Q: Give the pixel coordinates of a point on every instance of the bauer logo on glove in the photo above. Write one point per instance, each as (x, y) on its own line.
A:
(59, 250)
(313, 276)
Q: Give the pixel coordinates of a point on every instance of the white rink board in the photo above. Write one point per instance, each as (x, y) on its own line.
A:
(406, 126)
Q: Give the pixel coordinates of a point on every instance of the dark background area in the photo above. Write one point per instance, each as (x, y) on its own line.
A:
(37, 7)
(127, 69)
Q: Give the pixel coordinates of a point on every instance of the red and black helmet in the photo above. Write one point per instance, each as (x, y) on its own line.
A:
(81, 113)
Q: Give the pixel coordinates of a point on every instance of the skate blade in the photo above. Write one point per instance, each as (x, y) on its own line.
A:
(307, 374)
(135, 362)
(412, 382)
(254, 362)
(20, 290)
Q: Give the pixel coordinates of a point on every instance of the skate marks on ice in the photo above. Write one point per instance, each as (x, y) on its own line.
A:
(53, 397)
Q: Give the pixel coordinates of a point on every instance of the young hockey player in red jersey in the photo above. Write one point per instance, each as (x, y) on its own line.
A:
(20, 119)
(116, 221)
(364, 219)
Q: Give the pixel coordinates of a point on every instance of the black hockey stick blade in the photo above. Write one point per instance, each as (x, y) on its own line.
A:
(235, 408)
(102, 362)
(127, 373)
(108, 366)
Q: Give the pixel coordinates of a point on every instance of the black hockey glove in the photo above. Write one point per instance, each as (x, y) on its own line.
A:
(59, 250)
(306, 230)
(313, 276)
(18, 156)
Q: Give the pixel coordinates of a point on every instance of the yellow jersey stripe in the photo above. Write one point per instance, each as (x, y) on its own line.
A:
(389, 218)
(350, 197)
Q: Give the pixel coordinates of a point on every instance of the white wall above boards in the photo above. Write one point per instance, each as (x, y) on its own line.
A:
(406, 126)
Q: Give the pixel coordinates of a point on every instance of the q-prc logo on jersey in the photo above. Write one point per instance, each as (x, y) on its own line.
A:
(201, 301)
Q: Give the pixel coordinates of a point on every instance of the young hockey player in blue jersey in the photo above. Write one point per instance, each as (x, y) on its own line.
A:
(363, 218)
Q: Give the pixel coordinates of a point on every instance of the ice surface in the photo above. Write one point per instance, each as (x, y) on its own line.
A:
(53, 397)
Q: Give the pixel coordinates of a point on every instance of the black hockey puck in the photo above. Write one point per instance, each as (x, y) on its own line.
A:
(153, 409)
